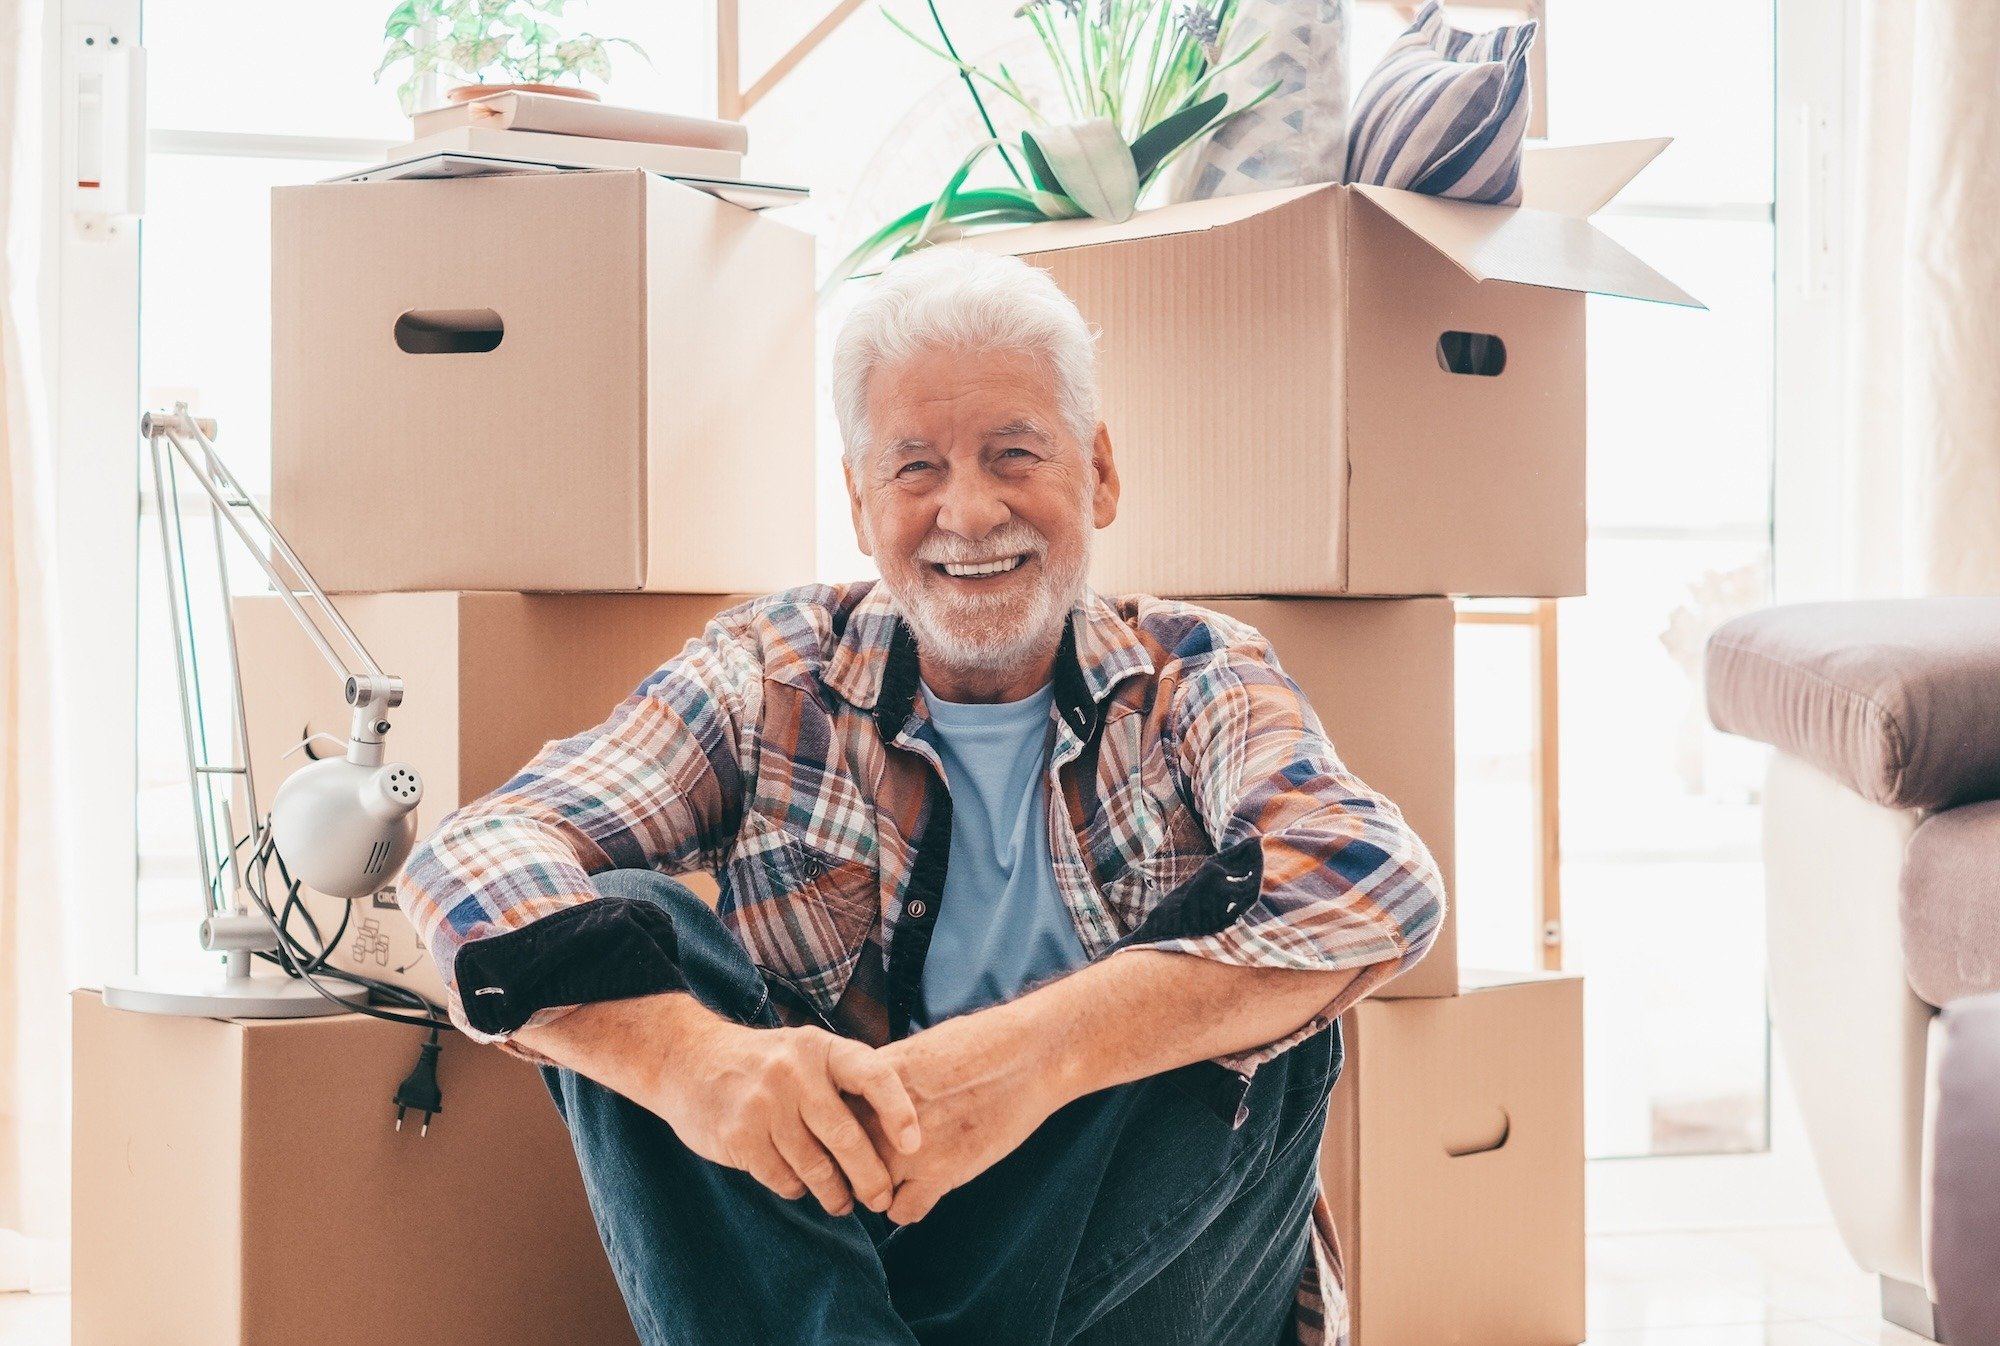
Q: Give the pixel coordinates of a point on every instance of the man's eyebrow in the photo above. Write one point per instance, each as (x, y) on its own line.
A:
(1019, 426)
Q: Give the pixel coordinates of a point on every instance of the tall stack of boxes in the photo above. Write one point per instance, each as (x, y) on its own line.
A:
(531, 432)
(1353, 402)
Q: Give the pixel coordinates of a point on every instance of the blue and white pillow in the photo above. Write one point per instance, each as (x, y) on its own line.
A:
(1445, 112)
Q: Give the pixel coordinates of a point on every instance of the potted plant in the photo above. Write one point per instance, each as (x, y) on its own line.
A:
(493, 46)
(1136, 77)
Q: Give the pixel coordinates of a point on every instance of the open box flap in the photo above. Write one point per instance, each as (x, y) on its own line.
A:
(1525, 246)
(1182, 217)
(1580, 180)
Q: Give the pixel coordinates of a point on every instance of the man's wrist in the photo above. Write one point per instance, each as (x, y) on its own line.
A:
(1036, 1032)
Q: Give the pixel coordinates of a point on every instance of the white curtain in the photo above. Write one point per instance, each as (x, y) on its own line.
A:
(1922, 450)
(34, 1037)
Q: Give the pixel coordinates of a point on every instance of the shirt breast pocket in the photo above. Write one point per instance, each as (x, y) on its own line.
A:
(1137, 884)
(799, 910)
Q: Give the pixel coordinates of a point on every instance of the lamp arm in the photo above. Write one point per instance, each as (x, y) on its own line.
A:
(369, 692)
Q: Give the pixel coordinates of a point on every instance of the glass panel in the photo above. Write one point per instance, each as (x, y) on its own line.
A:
(170, 897)
(1697, 70)
(279, 69)
(1663, 893)
(1680, 400)
(205, 295)
(1495, 896)
(288, 69)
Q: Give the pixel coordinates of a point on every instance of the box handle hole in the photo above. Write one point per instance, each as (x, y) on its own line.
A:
(449, 331)
(1487, 1130)
(1471, 353)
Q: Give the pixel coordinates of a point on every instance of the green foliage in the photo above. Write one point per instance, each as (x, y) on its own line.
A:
(1134, 75)
(490, 42)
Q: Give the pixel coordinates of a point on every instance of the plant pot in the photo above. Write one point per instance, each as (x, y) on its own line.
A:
(465, 93)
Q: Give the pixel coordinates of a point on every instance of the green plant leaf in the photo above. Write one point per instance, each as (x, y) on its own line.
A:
(1168, 134)
(1094, 165)
(941, 207)
(1016, 204)
(1038, 164)
(1056, 206)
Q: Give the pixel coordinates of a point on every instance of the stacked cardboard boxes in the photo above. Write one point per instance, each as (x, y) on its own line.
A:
(531, 432)
(536, 430)
(1325, 392)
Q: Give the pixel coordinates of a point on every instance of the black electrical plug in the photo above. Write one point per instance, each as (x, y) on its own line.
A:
(420, 1092)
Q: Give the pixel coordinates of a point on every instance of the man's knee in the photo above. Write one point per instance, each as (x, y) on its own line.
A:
(711, 960)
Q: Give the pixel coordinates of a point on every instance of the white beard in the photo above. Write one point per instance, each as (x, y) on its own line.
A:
(973, 633)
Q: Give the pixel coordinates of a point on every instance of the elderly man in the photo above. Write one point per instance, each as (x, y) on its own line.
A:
(1017, 1018)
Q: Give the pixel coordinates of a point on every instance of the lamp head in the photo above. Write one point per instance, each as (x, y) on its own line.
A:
(344, 827)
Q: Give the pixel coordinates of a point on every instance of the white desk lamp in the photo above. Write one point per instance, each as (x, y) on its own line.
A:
(341, 825)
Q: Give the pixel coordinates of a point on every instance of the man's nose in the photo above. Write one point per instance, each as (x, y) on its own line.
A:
(970, 508)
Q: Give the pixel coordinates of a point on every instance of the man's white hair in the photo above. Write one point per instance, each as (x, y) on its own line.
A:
(967, 299)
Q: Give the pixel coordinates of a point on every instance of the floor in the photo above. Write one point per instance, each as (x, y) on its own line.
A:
(1745, 1287)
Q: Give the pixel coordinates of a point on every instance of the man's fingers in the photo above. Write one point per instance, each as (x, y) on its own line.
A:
(827, 1114)
(770, 1168)
(858, 1070)
(810, 1160)
(913, 1202)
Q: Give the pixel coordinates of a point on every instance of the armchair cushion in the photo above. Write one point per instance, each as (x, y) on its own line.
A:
(1950, 904)
(1898, 699)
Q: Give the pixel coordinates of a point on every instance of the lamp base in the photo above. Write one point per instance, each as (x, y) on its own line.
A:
(219, 996)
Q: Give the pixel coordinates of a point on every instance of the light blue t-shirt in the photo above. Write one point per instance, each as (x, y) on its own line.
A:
(1001, 923)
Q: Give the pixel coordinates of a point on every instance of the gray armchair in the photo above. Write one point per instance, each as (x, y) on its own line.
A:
(1882, 862)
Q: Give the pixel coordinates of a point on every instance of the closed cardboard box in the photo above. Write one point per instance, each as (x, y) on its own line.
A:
(241, 1183)
(1379, 673)
(489, 679)
(1337, 389)
(1454, 1163)
(561, 381)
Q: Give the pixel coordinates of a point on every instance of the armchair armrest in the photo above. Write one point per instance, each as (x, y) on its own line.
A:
(1898, 699)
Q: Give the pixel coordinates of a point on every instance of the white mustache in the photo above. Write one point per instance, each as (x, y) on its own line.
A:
(949, 549)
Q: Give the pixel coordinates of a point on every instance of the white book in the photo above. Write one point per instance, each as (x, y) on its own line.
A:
(556, 115)
(583, 150)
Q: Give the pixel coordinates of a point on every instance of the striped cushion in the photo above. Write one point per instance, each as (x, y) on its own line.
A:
(1445, 112)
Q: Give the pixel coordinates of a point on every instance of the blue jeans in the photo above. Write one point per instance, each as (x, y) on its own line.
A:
(1132, 1215)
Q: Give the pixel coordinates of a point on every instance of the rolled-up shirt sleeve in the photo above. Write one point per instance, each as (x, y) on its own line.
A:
(1343, 880)
(500, 891)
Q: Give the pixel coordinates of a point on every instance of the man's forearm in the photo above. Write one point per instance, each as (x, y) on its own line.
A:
(1144, 1011)
(623, 1044)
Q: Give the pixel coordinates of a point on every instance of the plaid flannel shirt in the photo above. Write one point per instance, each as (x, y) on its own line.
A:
(1196, 806)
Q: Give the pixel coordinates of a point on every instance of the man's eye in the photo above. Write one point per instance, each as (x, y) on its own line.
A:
(1016, 448)
(907, 466)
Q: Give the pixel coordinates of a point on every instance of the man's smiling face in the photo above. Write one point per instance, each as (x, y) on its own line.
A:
(978, 503)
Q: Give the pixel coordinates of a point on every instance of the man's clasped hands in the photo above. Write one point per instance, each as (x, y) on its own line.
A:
(892, 1127)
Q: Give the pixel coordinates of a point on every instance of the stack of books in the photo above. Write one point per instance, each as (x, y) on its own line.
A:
(553, 129)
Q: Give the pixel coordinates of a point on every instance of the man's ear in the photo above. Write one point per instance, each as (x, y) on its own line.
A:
(854, 507)
(1104, 499)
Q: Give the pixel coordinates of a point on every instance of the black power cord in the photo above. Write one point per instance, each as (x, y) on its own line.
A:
(419, 1090)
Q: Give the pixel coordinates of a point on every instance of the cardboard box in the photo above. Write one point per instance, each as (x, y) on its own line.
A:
(241, 1183)
(488, 679)
(1379, 672)
(1454, 1163)
(1302, 397)
(566, 381)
